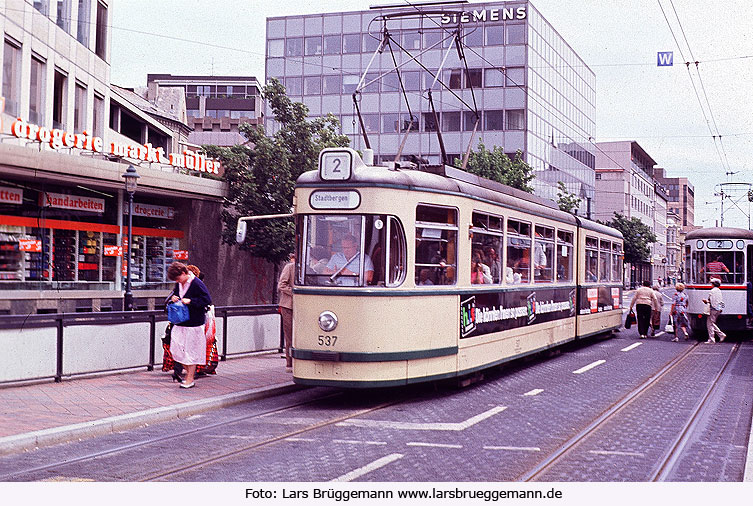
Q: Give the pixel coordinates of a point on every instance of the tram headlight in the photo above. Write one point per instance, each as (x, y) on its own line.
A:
(328, 321)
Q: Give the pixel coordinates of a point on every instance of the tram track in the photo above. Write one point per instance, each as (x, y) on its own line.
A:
(662, 469)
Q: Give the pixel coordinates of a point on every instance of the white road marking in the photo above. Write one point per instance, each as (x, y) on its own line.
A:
(631, 347)
(660, 334)
(535, 391)
(357, 473)
(589, 367)
(607, 452)
(434, 445)
(514, 448)
(354, 442)
(385, 424)
(302, 439)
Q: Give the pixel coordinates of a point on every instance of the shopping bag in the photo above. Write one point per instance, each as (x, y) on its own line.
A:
(669, 328)
(177, 312)
(629, 319)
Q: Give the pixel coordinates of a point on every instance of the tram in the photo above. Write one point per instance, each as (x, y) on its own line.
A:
(726, 254)
(407, 276)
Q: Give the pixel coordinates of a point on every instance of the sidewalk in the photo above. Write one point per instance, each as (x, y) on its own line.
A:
(41, 414)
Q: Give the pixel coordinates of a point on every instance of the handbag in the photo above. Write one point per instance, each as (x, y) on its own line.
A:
(629, 319)
(669, 328)
(177, 312)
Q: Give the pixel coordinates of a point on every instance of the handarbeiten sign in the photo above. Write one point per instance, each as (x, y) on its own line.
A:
(57, 139)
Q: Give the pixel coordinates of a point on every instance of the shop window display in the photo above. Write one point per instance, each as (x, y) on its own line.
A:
(11, 258)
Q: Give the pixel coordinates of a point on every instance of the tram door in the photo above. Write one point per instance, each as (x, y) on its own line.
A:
(749, 278)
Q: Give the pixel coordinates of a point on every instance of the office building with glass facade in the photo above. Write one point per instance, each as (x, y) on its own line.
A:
(534, 94)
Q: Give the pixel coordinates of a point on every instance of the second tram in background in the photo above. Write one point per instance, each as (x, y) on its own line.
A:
(727, 254)
(406, 276)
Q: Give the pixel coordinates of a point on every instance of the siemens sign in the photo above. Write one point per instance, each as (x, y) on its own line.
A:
(484, 15)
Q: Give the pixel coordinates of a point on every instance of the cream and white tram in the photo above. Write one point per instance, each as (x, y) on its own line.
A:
(406, 276)
(726, 254)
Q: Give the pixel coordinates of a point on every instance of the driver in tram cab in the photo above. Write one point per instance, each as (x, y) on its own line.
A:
(347, 263)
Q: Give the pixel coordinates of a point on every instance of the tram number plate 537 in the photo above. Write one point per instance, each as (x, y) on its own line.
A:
(327, 340)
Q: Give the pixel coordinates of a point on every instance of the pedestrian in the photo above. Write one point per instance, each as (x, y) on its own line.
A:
(656, 310)
(210, 333)
(644, 301)
(188, 339)
(285, 287)
(716, 305)
(679, 311)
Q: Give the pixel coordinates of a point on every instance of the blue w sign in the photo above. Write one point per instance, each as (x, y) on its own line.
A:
(664, 59)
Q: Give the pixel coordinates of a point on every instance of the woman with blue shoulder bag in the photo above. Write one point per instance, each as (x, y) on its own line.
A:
(187, 340)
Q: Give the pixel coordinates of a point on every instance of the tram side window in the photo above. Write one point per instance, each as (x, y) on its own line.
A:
(592, 259)
(486, 252)
(436, 245)
(564, 256)
(543, 255)
(518, 269)
(617, 256)
(605, 267)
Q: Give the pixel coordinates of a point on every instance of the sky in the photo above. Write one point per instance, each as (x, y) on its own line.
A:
(695, 121)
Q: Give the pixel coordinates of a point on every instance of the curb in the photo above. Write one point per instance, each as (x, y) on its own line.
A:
(48, 437)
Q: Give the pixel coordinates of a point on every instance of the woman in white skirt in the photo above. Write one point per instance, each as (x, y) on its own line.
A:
(188, 344)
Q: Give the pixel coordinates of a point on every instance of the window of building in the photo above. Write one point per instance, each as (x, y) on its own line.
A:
(432, 38)
(436, 245)
(63, 11)
(429, 121)
(313, 46)
(276, 48)
(82, 28)
(294, 47)
(390, 82)
(42, 6)
(370, 43)
(515, 119)
(100, 43)
(294, 85)
(494, 78)
(79, 108)
(451, 121)
(60, 100)
(495, 35)
(98, 116)
(390, 123)
(132, 127)
(312, 85)
(36, 92)
(332, 44)
(371, 123)
(469, 121)
(518, 268)
(11, 77)
(411, 80)
(515, 76)
(331, 85)
(371, 83)
(411, 41)
(407, 121)
(350, 83)
(516, 34)
(494, 120)
(351, 43)
(473, 36)
(454, 78)
(473, 78)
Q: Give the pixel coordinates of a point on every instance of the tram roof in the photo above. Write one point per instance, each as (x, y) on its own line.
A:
(438, 178)
(717, 232)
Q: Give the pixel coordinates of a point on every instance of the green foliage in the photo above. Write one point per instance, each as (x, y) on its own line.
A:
(261, 179)
(637, 236)
(497, 166)
(567, 201)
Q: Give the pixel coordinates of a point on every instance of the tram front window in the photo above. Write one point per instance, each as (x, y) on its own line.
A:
(334, 245)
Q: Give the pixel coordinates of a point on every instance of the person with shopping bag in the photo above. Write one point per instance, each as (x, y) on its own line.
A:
(679, 313)
(644, 302)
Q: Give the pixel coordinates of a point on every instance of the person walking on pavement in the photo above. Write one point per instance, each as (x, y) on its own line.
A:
(188, 341)
(716, 305)
(285, 287)
(644, 300)
(656, 310)
(679, 311)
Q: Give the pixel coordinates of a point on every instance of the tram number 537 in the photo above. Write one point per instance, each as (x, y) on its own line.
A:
(327, 340)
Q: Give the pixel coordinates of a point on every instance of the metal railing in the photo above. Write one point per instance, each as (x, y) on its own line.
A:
(28, 341)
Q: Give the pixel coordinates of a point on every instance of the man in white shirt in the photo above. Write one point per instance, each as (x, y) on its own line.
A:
(347, 264)
(716, 305)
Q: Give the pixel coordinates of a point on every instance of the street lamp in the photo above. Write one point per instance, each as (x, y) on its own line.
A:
(131, 182)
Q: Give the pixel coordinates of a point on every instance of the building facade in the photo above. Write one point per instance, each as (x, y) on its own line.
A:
(67, 136)
(215, 105)
(681, 198)
(533, 93)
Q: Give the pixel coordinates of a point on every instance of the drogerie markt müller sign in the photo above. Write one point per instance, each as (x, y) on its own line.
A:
(57, 139)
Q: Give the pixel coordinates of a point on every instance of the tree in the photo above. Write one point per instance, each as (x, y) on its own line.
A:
(567, 201)
(636, 237)
(261, 179)
(497, 166)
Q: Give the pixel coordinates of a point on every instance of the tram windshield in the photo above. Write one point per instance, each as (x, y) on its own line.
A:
(333, 251)
(728, 266)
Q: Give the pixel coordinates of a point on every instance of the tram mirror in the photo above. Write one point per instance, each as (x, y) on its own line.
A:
(378, 224)
(240, 232)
